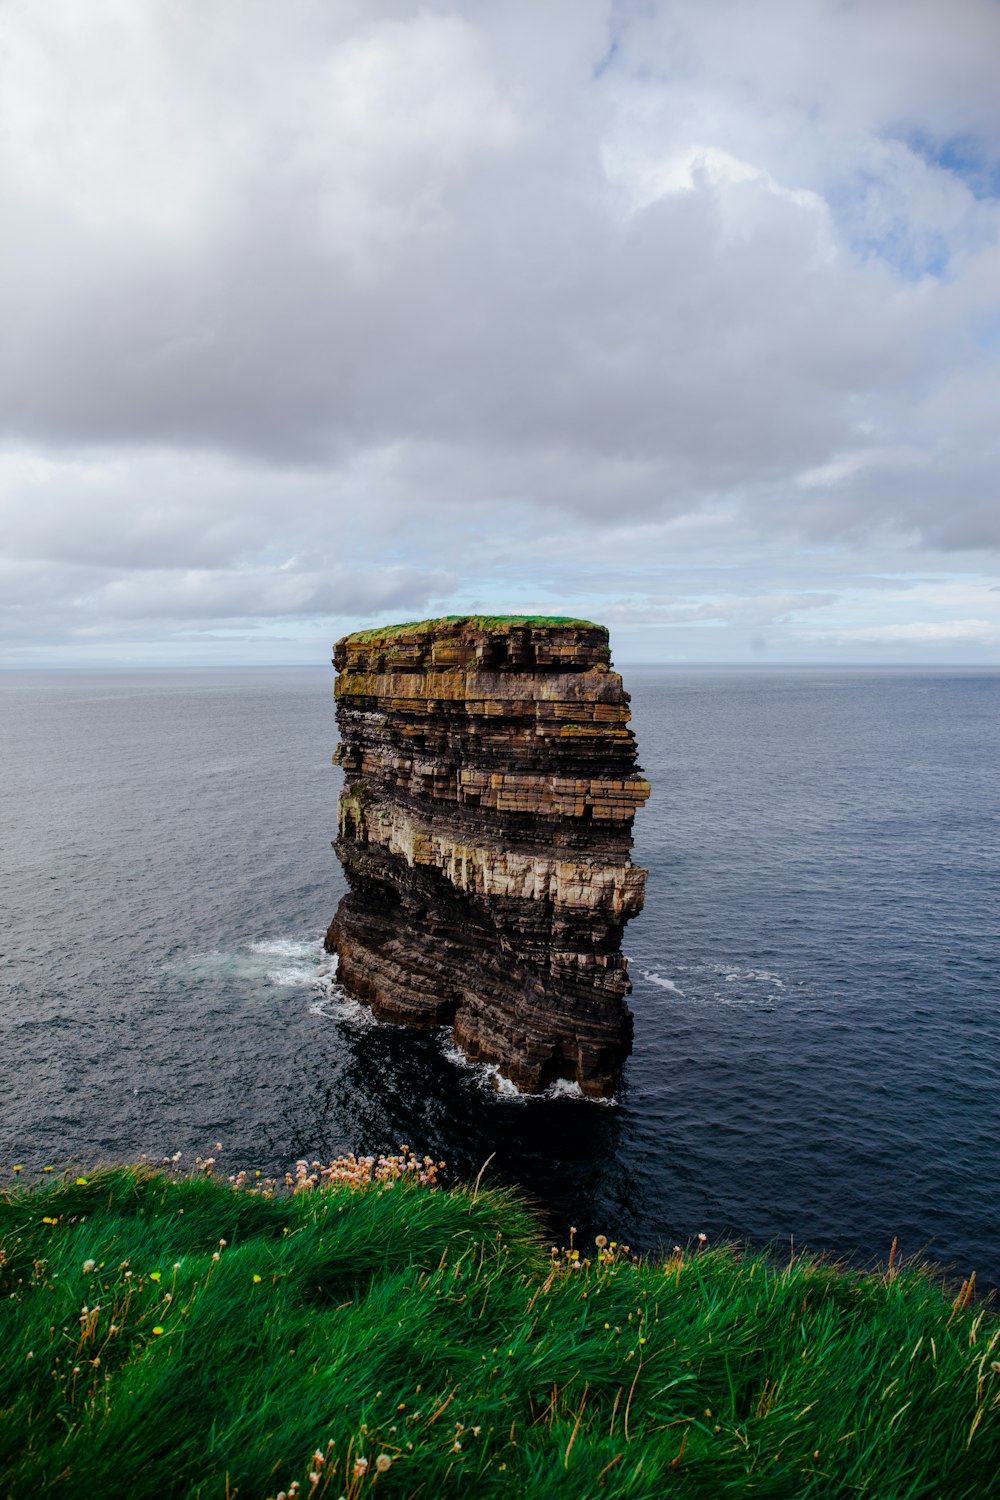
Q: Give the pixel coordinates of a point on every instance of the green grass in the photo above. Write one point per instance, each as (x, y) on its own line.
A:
(477, 622)
(165, 1336)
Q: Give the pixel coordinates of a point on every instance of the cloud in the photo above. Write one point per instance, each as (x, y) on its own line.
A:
(370, 306)
(925, 632)
(257, 593)
(767, 609)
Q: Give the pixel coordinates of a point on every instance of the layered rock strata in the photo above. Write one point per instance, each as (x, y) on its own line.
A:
(484, 829)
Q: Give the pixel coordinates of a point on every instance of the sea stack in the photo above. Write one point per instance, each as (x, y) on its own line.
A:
(484, 829)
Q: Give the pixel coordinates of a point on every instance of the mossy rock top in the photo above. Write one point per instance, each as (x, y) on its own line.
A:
(463, 643)
(468, 624)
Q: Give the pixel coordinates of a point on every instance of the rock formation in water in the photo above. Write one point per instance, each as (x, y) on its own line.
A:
(484, 829)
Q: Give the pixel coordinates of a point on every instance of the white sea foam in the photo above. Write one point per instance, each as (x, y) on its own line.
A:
(489, 1076)
(288, 962)
(661, 980)
(564, 1088)
(751, 988)
(336, 1005)
(736, 986)
(218, 768)
(455, 1055)
(502, 1085)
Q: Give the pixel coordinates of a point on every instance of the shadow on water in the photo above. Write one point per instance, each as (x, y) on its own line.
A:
(397, 1086)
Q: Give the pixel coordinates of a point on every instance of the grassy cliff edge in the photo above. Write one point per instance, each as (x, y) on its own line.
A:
(169, 1335)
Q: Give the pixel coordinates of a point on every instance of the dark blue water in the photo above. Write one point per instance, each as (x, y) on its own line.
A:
(816, 971)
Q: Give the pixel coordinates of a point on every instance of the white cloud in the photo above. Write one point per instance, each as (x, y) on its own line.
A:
(925, 632)
(253, 593)
(319, 310)
(725, 609)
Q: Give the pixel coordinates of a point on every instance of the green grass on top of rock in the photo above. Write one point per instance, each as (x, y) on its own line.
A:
(477, 622)
(175, 1337)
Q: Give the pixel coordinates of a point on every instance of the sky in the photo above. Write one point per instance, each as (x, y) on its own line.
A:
(683, 317)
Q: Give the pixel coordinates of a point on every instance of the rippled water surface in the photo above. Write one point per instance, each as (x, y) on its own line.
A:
(816, 972)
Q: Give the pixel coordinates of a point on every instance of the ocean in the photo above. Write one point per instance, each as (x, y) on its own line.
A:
(816, 971)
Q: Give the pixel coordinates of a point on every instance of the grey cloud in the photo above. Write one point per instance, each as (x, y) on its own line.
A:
(924, 632)
(729, 610)
(519, 315)
(440, 301)
(68, 609)
(258, 592)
